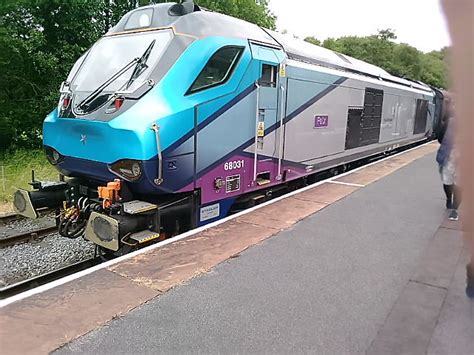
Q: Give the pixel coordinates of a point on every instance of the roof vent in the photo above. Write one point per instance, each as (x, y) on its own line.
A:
(183, 8)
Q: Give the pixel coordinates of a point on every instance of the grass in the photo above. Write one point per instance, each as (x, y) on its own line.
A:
(16, 172)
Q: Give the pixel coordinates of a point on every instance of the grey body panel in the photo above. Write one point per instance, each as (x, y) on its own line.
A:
(324, 147)
(329, 58)
(200, 24)
(306, 144)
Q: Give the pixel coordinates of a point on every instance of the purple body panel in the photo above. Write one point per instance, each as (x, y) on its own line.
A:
(237, 174)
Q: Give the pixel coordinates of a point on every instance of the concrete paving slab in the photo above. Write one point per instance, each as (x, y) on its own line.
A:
(283, 214)
(372, 173)
(46, 321)
(456, 225)
(167, 267)
(361, 178)
(438, 264)
(411, 323)
(416, 317)
(326, 193)
(454, 332)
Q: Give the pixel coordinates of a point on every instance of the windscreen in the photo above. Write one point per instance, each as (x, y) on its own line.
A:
(111, 54)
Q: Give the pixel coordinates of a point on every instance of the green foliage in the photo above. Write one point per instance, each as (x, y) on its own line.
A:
(15, 169)
(41, 39)
(39, 42)
(398, 59)
(387, 34)
(313, 40)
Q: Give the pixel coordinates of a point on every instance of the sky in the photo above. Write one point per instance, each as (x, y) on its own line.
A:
(420, 23)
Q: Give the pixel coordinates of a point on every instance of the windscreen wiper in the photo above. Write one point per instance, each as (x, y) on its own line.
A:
(141, 65)
(93, 95)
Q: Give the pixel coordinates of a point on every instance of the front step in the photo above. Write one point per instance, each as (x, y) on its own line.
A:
(136, 207)
(146, 236)
(261, 182)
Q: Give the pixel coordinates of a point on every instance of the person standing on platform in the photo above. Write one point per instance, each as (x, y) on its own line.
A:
(447, 160)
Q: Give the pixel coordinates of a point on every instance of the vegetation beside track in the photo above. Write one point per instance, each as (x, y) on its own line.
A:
(15, 172)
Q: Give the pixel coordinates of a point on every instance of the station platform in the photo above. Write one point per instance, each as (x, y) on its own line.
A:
(364, 262)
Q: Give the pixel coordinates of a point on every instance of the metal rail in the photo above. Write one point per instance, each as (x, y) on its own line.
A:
(40, 280)
(26, 236)
(9, 217)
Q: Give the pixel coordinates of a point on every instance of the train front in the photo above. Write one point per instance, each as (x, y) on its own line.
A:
(106, 135)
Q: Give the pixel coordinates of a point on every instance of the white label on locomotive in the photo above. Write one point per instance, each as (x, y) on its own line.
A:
(209, 212)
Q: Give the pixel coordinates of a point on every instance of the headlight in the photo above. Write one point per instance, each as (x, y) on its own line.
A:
(53, 155)
(128, 169)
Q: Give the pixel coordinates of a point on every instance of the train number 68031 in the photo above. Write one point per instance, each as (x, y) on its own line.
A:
(233, 165)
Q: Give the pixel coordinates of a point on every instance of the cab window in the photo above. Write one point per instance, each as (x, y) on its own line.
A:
(218, 69)
(269, 76)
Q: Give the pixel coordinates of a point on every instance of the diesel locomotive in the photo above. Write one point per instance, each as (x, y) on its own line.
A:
(178, 116)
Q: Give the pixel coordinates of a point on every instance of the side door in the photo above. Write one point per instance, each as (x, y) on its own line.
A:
(406, 116)
(389, 124)
(267, 149)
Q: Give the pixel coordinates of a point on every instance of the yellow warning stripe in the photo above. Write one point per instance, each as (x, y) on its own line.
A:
(152, 237)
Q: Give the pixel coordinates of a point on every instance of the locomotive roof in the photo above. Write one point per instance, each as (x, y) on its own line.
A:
(203, 23)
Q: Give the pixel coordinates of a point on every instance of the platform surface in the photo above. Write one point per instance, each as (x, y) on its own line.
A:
(361, 275)
(364, 263)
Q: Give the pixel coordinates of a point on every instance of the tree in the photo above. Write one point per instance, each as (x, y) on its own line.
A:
(39, 42)
(387, 34)
(313, 40)
(406, 61)
(370, 49)
(434, 68)
(398, 59)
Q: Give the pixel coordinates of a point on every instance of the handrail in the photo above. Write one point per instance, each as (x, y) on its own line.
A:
(257, 112)
(280, 143)
(156, 129)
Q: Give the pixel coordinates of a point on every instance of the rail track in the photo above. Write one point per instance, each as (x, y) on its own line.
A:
(12, 217)
(28, 236)
(40, 280)
(9, 217)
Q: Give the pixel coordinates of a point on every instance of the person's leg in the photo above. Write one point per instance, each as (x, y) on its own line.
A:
(470, 280)
(456, 196)
(454, 216)
(448, 190)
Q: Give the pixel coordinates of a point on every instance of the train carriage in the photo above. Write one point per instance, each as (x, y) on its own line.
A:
(178, 115)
